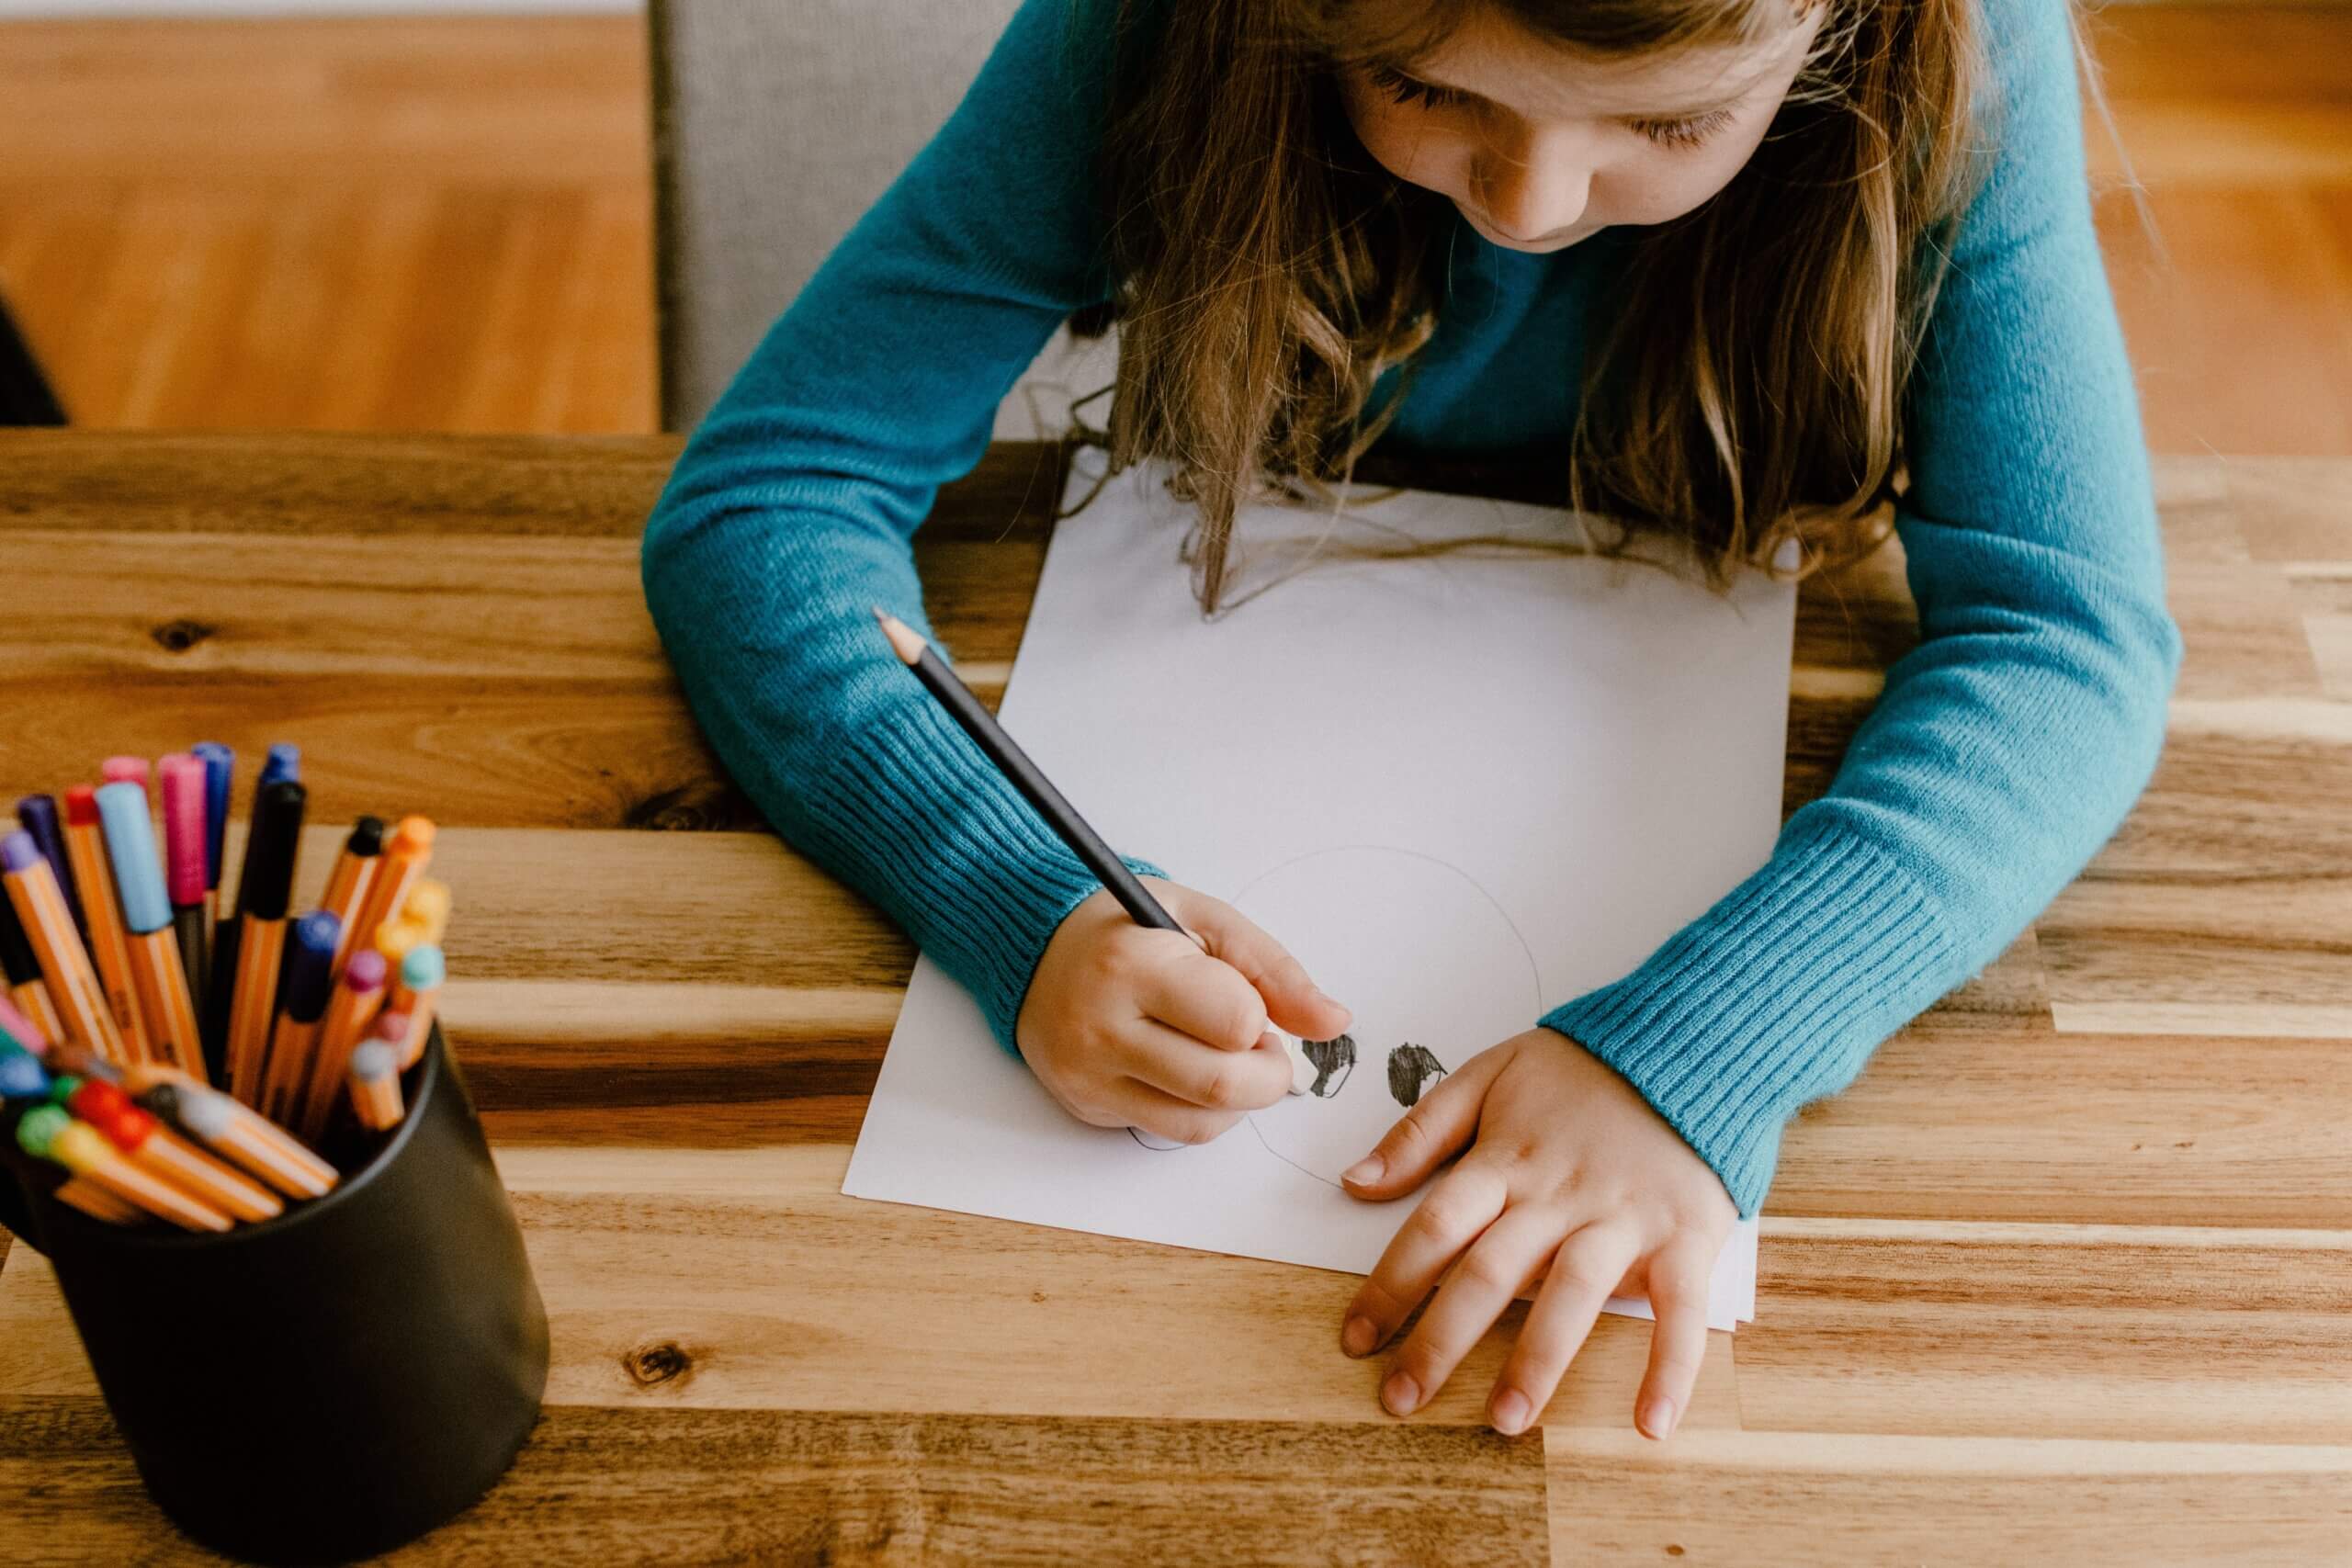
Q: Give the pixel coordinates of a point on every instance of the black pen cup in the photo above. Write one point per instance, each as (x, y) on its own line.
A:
(338, 1380)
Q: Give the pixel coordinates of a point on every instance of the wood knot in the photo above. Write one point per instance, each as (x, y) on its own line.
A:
(1673, 1550)
(651, 1366)
(179, 636)
(685, 810)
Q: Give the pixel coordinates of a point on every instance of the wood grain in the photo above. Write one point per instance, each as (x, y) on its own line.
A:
(2070, 1264)
(797, 1486)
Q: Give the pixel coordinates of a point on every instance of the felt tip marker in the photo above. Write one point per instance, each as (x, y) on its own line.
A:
(263, 890)
(353, 874)
(306, 982)
(155, 972)
(237, 1134)
(29, 1004)
(406, 854)
(51, 1133)
(36, 814)
(376, 1078)
(220, 776)
(417, 994)
(80, 1005)
(102, 908)
(282, 764)
(349, 1016)
(183, 831)
(165, 1153)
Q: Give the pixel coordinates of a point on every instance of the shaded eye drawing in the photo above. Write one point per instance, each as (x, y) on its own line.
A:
(1334, 1055)
(1411, 1069)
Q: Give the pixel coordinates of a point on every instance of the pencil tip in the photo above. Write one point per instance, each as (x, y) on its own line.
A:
(904, 639)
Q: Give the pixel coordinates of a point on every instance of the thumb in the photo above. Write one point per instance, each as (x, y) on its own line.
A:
(1293, 1002)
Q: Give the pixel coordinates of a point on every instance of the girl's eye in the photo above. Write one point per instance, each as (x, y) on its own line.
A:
(1691, 132)
(1408, 90)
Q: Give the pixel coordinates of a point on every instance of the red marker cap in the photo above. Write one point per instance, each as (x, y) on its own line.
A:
(82, 806)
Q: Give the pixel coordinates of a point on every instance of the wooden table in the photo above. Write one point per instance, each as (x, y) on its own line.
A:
(2067, 1276)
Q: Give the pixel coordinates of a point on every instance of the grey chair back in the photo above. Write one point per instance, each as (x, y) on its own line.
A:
(776, 123)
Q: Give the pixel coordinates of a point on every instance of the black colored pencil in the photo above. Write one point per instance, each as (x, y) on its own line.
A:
(1000, 748)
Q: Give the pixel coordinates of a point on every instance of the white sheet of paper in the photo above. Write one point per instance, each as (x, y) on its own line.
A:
(1461, 789)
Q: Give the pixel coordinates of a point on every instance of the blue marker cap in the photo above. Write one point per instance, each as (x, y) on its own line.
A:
(219, 768)
(37, 814)
(21, 1075)
(131, 845)
(308, 978)
(284, 761)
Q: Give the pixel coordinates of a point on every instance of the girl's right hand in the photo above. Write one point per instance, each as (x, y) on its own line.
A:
(1130, 1026)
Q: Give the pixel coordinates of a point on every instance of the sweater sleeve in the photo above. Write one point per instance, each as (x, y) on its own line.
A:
(792, 508)
(2008, 744)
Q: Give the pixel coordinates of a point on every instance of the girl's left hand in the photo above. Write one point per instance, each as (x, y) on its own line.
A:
(1572, 1171)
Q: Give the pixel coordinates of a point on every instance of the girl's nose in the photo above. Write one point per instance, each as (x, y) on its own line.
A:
(1533, 188)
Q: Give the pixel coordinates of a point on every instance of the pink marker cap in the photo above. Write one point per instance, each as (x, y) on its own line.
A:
(185, 830)
(124, 770)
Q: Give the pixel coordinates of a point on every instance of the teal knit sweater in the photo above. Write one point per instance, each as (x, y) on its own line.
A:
(2005, 748)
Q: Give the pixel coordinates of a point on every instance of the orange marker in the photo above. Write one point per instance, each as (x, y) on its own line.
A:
(305, 986)
(165, 1154)
(102, 908)
(271, 846)
(156, 970)
(404, 860)
(232, 1130)
(353, 1008)
(416, 994)
(97, 1202)
(353, 877)
(81, 1005)
(376, 1077)
(50, 1133)
(22, 970)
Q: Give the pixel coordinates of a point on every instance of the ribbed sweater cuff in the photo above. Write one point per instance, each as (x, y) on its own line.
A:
(1774, 996)
(952, 852)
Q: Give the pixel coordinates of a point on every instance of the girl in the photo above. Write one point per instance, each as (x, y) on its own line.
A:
(1720, 267)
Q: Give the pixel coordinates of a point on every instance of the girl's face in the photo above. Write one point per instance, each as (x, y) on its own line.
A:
(1541, 148)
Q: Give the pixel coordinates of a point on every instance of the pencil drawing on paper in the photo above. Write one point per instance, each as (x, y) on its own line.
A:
(1431, 966)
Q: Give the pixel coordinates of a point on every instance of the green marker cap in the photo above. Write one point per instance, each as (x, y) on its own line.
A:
(40, 1129)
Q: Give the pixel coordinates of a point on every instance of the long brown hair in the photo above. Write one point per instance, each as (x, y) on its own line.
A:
(1266, 270)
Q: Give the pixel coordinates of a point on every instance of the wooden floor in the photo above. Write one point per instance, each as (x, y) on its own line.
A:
(442, 224)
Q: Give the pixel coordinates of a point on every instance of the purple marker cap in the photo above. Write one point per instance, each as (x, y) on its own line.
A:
(18, 852)
(38, 815)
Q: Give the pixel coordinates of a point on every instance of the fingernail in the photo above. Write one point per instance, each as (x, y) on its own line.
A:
(1366, 1170)
(1512, 1412)
(1657, 1417)
(1400, 1393)
(1359, 1337)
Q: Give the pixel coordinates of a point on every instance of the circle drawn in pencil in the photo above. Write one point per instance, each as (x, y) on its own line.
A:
(1432, 967)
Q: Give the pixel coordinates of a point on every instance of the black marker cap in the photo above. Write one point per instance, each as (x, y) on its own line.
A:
(367, 837)
(17, 959)
(269, 880)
